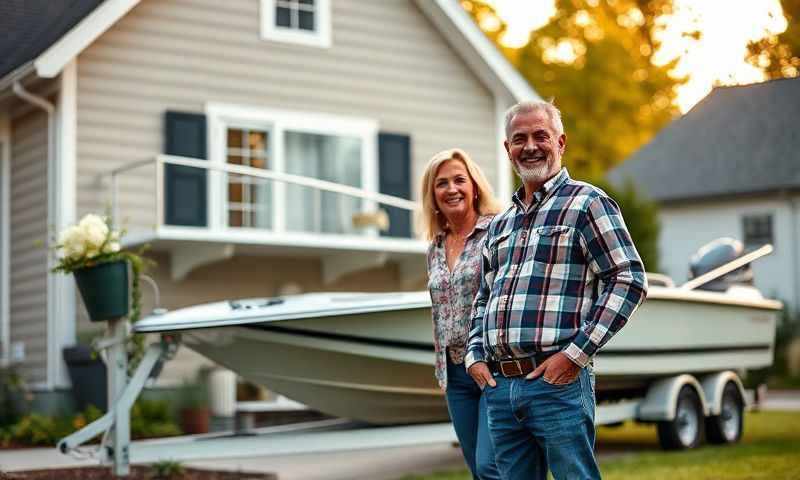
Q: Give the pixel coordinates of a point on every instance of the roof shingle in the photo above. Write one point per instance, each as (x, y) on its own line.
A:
(29, 27)
(737, 140)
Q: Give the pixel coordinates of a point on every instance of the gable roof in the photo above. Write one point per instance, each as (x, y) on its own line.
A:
(30, 26)
(72, 25)
(737, 140)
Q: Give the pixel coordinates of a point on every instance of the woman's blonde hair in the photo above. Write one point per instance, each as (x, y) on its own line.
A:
(431, 223)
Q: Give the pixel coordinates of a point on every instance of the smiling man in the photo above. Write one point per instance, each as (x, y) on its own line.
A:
(560, 277)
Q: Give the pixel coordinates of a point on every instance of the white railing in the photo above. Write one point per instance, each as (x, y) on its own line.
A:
(160, 161)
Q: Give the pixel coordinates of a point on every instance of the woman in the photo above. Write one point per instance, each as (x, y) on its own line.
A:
(457, 206)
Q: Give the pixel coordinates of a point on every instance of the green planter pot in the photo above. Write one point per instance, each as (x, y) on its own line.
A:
(104, 289)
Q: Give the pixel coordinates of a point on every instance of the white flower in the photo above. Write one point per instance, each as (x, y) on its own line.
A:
(72, 242)
(111, 247)
(94, 231)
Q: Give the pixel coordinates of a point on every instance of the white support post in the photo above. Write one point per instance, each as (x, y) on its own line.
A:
(504, 174)
(117, 366)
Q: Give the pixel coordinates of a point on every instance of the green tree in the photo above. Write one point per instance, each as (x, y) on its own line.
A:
(641, 218)
(594, 59)
(779, 55)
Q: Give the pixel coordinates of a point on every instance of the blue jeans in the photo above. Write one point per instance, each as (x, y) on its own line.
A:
(536, 425)
(467, 408)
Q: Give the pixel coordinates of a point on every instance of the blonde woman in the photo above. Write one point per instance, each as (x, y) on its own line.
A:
(457, 206)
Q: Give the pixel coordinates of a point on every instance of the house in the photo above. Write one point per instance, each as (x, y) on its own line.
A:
(163, 110)
(730, 167)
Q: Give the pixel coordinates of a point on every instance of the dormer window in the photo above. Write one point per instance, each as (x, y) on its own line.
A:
(306, 22)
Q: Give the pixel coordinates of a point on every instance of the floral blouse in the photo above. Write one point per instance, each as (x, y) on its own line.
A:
(452, 294)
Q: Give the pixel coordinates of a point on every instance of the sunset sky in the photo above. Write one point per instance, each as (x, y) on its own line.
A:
(718, 57)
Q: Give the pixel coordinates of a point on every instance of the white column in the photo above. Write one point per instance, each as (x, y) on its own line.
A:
(64, 190)
(504, 184)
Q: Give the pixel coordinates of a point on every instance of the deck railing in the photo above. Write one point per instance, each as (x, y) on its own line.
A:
(369, 214)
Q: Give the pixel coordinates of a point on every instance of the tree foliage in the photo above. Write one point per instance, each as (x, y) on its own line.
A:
(594, 60)
(641, 218)
(779, 55)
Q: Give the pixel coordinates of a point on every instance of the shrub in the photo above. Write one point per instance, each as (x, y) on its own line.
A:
(167, 470)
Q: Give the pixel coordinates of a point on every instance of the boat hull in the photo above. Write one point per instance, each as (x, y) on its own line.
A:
(365, 378)
(377, 365)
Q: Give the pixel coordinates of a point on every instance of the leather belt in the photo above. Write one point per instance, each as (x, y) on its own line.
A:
(515, 367)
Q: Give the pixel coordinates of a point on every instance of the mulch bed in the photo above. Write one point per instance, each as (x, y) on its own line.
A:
(137, 473)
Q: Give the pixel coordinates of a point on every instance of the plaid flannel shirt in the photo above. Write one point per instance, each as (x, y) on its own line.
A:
(559, 274)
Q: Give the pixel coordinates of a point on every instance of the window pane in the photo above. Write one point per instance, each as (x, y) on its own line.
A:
(326, 157)
(257, 141)
(757, 230)
(283, 17)
(258, 162)
(307, 2)
(306, 20)
(235, 159)
(234, 191)
(235, 218)
(234, 138)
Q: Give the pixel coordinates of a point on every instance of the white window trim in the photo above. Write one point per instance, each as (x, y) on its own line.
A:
(320, 37)
(276, 121)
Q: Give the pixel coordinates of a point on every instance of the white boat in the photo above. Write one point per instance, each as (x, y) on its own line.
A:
(370, 356)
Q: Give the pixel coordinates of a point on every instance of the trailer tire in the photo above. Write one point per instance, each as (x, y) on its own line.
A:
(727, 427)
(686, 429)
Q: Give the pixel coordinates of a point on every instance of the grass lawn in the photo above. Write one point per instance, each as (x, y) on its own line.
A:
(770, 449)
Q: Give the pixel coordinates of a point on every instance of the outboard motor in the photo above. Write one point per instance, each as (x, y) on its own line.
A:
(716, 254)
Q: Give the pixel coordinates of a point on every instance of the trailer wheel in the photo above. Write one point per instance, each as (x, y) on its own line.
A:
(685, 430)
(727, 427)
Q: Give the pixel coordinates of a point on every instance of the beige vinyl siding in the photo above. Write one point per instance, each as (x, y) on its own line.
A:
(387, 62)
(28, 236)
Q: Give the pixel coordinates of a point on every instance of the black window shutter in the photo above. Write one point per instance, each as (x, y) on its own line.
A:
(394, 167)
(185, 194)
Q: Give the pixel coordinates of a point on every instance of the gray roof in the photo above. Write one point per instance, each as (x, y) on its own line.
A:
(29, 27)
(737, 140)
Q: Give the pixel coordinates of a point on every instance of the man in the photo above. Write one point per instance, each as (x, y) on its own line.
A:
(560, 277)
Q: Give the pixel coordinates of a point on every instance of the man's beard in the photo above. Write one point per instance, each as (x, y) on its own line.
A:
(537, 173)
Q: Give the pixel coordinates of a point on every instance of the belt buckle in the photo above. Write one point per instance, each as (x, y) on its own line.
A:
(507, 363)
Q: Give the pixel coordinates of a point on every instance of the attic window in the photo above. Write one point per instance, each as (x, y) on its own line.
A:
(306, 22)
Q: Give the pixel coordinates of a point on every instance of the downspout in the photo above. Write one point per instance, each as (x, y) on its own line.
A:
(48, 107)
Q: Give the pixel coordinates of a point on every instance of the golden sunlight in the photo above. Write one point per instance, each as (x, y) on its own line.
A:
(716, 58)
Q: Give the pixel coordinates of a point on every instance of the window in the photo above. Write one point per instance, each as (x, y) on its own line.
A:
(757, 230)
(248, 197)
(336, 149)
(297, 21)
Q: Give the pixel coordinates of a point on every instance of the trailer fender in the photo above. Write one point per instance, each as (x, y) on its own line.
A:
(713, 386)
(662, 397)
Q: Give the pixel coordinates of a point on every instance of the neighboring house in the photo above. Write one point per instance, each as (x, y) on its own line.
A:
(729, 167)
(351, 92)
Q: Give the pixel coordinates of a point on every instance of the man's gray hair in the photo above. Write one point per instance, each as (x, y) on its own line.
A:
(529, 106)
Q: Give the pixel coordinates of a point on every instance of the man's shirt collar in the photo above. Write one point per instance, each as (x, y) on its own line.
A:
(549, 186)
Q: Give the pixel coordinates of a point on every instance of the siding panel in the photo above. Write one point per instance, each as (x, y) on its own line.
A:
(387, 62)
(28, 236)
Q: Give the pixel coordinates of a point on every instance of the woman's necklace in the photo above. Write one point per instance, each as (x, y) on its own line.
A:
(454, 246)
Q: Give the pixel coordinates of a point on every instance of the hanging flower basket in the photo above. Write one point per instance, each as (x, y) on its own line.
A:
(104, 289)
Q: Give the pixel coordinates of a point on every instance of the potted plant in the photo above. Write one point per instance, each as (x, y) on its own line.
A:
(91, 251)
(194, 412)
